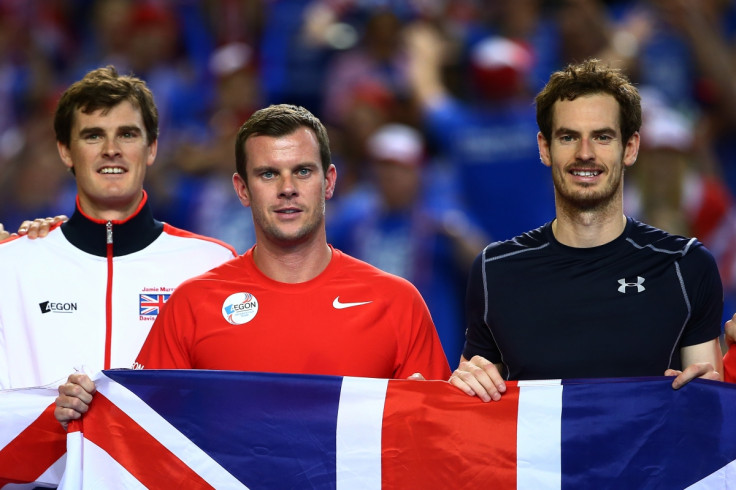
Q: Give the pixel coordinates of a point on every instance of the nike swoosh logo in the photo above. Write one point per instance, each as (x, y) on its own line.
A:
(339, 306)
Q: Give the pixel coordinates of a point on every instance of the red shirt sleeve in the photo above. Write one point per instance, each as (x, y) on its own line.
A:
(424, 353)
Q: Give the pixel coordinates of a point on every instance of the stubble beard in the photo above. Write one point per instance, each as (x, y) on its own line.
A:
(277, 234)
(582, 199)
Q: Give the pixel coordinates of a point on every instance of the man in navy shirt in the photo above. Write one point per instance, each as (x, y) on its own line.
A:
(591, 293)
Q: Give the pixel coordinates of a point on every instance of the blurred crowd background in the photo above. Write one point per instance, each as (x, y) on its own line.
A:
(429, 105)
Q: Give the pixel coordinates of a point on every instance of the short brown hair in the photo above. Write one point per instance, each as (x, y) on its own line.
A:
(280, 120)
(588, 78)
(104, 88)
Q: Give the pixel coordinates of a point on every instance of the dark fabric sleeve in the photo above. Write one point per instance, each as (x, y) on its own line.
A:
(704, 287)
(478, 338)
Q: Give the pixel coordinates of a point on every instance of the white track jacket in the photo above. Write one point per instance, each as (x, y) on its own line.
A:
(88, 293)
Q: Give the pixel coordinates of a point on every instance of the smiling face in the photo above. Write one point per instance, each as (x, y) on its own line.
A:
(586, 153)
(287, 188)
(109, 153)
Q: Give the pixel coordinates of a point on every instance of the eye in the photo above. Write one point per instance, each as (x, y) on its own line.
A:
(304, 172)
(268, 174)
(129, 134)
(566, 138)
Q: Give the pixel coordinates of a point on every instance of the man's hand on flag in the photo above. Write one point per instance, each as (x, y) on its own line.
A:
(74, 398)
(479, 377)
(703, 370)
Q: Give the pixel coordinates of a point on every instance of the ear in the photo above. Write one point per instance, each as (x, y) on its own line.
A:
(65, 155)
(241, 189)
(631, 150)
(330, 181)
(543, 145)
(152, 149)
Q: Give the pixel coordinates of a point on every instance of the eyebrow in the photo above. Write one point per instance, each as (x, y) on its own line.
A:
(563, 130)
(89, 131)
(272, 168)
(130, 129)
(97, 129)
(595, 132)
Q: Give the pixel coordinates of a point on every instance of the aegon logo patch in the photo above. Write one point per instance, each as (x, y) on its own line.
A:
(240, 308)
(56, 307)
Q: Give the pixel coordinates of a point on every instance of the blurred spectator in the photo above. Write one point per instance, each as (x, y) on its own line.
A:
(657, 184)
(403, 222)
(153, 51)
(103, 32)
(365, 84)
(200, 195)
(292, 62)
(159, 41)
(377, 60)
(489, 138)
(371, 106)
(236, 21)
(706, 30)
(36, 183)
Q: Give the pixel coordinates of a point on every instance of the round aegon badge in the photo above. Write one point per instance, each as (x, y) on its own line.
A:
(240, 308)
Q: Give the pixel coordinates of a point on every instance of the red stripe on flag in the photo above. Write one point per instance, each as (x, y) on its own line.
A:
(150, 462)
(438, 447)
(34, 450)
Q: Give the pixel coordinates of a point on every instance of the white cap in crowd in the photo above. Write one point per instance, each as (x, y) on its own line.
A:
(397, 143)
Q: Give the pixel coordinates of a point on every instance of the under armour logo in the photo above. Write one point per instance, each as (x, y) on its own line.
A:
(637, 285)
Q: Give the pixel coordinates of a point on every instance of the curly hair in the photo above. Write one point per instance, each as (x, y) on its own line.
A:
(588, 78)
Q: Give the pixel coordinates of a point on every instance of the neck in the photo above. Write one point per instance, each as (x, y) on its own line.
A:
(585, 230)
(110, 212)
(292, 265)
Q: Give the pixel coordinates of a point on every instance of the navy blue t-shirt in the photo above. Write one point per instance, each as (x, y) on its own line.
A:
(626, 308)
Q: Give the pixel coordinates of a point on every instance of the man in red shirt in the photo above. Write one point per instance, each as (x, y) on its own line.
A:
(291, 303)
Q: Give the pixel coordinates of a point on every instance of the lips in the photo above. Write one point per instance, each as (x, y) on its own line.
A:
(288, 211)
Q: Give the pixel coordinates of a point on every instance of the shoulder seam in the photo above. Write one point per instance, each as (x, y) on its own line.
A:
(178, 232)
(683, 251)
(509, 254)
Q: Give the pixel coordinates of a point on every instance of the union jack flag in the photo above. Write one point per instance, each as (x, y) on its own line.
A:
(151, 303)
(274, 431)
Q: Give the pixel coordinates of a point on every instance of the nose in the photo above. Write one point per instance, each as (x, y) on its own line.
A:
(287, 188)
(585, 150)
(111, 148)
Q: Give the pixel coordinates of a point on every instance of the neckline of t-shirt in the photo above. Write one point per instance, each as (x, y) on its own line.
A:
(293, 287)
(589, 251)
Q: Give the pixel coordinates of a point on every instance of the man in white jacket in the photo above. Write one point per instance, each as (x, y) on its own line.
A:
(88, 293)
